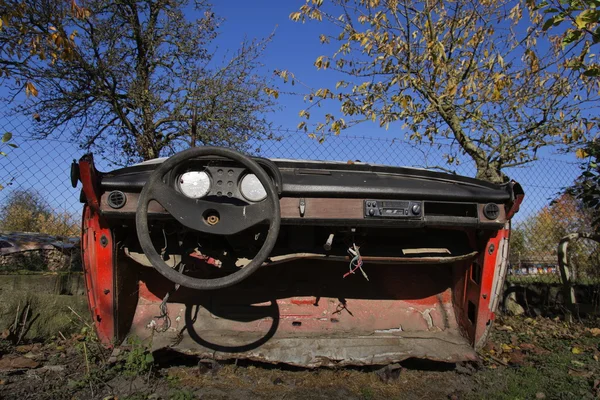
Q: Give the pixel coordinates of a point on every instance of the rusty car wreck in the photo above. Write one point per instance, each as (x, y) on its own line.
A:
(310, 263)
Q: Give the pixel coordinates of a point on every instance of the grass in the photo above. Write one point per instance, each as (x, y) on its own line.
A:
(48, 315)
(543, 356)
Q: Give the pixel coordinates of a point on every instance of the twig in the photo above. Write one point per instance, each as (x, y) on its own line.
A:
(16, 324)
(23, 324)
(79, 316)
(499, 361)
(62, 336)
(87, 362)
(148, 377)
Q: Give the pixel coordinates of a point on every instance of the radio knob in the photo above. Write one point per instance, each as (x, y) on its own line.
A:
(371, 212)
(416, 209)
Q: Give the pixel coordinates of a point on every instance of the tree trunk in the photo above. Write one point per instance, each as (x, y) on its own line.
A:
(486, 170)
(146, 148)
(490, 172)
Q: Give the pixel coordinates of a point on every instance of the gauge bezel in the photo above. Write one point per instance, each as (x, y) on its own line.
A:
(208, 190)
(242, 191)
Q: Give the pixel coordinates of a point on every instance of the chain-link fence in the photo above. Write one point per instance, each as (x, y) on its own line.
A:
(38, 196)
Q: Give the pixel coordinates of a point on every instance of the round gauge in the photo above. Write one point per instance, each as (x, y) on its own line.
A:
(194, 184)
(252, 189)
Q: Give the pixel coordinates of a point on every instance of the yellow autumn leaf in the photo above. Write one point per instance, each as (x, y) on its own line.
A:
(30, 89)
(595, 331)
(404, 102)
(576, 350)
(581, 153)
(452, 90)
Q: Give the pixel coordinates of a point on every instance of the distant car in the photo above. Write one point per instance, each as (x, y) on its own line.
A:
(310, 263)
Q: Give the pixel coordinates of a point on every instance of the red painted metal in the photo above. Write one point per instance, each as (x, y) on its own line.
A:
(485, 316)
(516, 204)
(89, 180)
(473, 290)
(97, 253)
(97, 256)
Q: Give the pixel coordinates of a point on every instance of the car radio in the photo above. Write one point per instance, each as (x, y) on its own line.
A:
(393, 209)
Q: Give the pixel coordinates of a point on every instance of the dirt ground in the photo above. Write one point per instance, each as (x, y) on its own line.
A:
(525, 359)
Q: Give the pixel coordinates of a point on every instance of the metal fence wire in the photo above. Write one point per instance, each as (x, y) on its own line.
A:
(38, 197)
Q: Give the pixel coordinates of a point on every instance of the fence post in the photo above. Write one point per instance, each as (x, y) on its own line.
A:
(567, 274)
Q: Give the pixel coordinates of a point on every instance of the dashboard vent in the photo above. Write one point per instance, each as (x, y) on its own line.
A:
(116, 199)
(491, 211)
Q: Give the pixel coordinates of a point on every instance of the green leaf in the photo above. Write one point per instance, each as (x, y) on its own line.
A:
(6, 137)
(149, 358)
(549, 22)
(587, 17)
(574, 64)
(594, 71)
(14, 146)
(554, 21)
(570, 37)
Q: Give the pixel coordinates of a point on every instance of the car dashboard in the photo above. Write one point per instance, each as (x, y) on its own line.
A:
(325, 193)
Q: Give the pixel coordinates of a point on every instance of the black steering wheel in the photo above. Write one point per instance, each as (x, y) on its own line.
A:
(199, 215)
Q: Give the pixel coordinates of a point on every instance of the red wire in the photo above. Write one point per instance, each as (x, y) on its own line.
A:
(358, 265)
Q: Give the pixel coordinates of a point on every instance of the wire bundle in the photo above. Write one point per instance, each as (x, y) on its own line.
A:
(356, 262)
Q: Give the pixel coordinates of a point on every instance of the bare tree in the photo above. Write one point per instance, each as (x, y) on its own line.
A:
(142, 82)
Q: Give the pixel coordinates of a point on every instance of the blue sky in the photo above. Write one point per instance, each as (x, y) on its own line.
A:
(294, 47)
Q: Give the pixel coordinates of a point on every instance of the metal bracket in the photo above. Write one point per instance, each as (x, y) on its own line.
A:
(302, 206)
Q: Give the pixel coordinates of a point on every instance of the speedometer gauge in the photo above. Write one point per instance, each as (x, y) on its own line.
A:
(194, 184)
(252, 189)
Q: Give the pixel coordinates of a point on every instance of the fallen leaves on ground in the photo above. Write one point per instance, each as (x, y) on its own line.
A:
(15, 363)
(594, 331)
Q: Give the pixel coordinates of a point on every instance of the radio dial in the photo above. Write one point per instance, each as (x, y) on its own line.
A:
(416, 209)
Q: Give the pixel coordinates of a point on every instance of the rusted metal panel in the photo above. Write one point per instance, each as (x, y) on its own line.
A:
(334, 351)
(360, 332)
(399, 313)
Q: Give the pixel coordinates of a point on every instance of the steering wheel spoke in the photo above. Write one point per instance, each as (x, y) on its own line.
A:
(174, 202)
(252, 214)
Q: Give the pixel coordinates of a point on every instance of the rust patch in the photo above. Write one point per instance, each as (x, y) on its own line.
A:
(300, 302)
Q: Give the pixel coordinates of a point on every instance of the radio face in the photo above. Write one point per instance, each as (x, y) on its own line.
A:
(393, 209)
